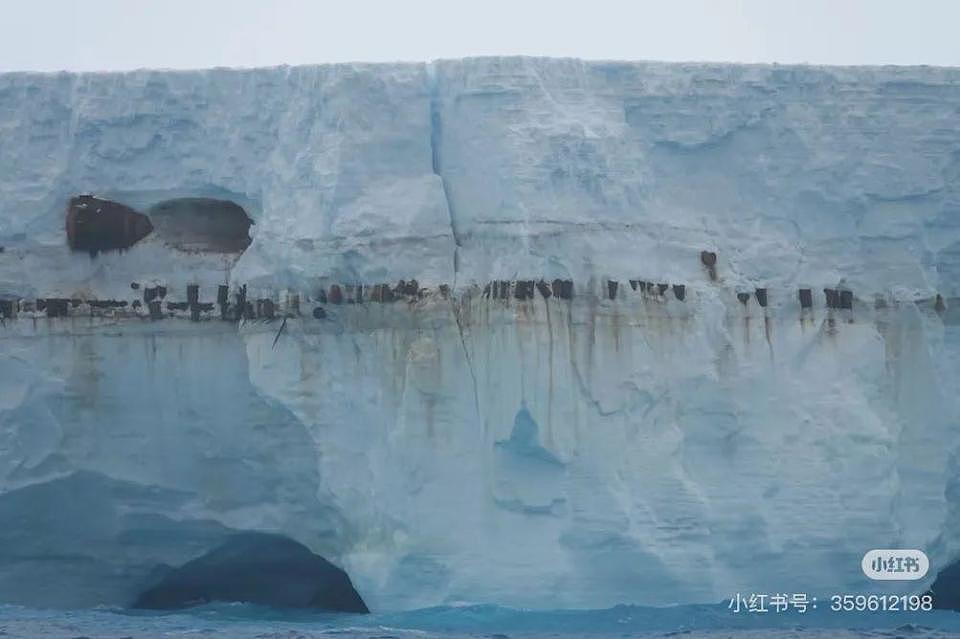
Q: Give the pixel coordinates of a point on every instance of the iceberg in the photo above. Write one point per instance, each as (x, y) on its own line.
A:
(535, 332)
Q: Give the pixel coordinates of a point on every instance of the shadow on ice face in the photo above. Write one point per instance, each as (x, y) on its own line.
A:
(202, 224)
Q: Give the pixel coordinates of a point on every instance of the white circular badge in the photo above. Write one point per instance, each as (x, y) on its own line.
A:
(888, 564)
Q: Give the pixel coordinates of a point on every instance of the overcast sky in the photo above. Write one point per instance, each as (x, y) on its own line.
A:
(126, 34)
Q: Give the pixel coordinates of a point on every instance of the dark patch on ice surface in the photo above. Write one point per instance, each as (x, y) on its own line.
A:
(336, 295)
(709, 260)
(846, 299)
(409, 288)
(523, 290)
(266, 309)
(544, 289)
(832, 297)
(563, 289)
(244, 308)
(55, 306)
(612, 286)
(383, 293)
(107, 303)
(193, 302)
(223, 300)
(761, 294)
(259, 568)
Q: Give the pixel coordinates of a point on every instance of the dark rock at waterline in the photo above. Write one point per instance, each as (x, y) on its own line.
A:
(259, 568)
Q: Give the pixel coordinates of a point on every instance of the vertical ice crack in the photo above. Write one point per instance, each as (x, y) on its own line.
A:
(466, 352)
(435, 143)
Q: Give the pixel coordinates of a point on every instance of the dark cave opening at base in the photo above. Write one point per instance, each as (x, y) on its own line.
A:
(259, 568)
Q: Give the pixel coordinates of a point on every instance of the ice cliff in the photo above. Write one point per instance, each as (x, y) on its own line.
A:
(479, 435)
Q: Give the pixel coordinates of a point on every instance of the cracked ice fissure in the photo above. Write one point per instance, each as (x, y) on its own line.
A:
(747, 372)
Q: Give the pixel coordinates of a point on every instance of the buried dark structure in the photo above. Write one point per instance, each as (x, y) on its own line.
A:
(192, 224)
(96, 225)
(259, 568)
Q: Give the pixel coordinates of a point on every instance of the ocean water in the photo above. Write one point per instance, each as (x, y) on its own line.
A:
(242, 621)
